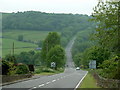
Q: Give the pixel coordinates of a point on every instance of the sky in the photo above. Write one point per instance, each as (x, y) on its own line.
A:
(49, 6)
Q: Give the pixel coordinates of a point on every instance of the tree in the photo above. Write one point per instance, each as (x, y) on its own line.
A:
(51, 41)
(95, 53)
(77, 59)
(57, 55)
(25, 57)
(110, 68)
(106, 15)
(10, 58)
(20, 38)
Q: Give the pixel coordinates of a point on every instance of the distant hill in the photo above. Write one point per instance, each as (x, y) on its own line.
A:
(40, 21)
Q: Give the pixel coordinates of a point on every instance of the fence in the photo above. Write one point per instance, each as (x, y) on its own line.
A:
(106, 83)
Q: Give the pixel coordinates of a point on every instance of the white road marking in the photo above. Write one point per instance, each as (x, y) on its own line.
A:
(53, 80)
(47, 82)
(34, 87)
(41, 85)
(81, 81)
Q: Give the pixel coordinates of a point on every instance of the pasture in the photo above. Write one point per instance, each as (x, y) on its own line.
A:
(27, 35)
(12, 36)
(7, 45)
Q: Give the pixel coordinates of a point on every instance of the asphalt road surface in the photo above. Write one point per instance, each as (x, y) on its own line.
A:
(69, 79)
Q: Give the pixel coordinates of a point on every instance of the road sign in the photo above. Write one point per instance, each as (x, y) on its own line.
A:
(92, 64)
(53, 64)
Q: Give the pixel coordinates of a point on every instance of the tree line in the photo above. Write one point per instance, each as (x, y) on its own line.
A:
(106, 46)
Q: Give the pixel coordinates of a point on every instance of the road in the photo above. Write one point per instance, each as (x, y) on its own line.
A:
(68, 79)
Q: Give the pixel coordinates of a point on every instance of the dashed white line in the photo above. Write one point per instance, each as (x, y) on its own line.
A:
(53, 80)
(41, 85)
(47, 82)
(34, 87)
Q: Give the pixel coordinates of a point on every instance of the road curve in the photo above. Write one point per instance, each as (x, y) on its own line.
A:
(68, 79)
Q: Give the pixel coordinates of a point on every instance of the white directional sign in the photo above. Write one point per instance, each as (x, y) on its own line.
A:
(92, 64)
(53, 64)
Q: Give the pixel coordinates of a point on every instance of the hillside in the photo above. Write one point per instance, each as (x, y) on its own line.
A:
(33, 20)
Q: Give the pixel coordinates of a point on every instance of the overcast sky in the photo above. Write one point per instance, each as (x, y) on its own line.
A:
(49, 6)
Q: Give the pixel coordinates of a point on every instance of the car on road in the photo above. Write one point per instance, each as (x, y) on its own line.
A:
(77, 68)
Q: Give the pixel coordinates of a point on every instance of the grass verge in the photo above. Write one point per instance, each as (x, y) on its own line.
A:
(47, 71)
(88, 82)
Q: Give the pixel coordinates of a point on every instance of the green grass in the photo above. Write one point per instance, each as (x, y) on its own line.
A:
(7, 46)
(12, 36)
(28, 35)
(88, 82)
(47, 71)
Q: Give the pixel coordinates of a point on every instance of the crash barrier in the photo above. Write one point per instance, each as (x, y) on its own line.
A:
(106, 83)
(11, 78)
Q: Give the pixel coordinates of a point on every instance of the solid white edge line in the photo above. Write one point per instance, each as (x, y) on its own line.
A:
(81, 81)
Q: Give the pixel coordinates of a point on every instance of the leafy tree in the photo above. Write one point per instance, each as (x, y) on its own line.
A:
(77, 59)
(57, 55)
(37, 59)
(10, 58)
(40, 43)
(51, 40)
(110, 66)
(106, 14)
(95, 53)
(20, 38)
(25, 57)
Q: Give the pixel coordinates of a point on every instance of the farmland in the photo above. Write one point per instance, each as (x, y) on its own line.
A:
(12, 36)
(28, 35)
(19, 46)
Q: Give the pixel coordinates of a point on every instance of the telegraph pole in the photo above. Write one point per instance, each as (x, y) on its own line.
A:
(13, 49)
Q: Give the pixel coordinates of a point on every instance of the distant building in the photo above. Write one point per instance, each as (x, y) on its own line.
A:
(38, 48)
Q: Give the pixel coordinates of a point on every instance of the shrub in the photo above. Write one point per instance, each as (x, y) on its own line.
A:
(110, 69)
(47, 70)
(22, 69)
(5, 67)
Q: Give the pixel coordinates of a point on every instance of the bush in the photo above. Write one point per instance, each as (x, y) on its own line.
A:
(48, 70)
(43, 69)
(22, 69)
(8, 68)
(110, 69)
(5, 67)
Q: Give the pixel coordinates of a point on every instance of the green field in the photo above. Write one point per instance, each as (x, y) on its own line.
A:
(12, 36)
(7, 45)
(27, 35)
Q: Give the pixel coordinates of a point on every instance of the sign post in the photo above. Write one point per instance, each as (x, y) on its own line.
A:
(92, 64)
(53, 65)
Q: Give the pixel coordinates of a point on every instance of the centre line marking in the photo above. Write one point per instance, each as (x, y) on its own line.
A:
(41, 85)
(53, 80)
(47, 82)
(34, 87)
